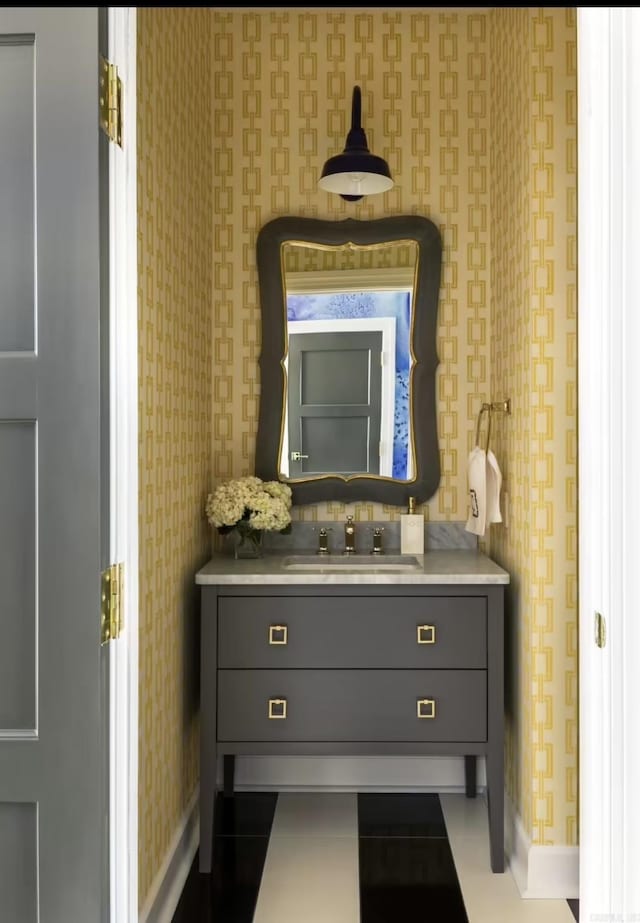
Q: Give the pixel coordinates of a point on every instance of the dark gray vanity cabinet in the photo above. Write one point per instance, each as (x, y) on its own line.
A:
(352, 670)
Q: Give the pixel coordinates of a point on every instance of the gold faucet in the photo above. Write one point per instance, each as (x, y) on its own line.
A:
(323, 540)
(377, 541)
(349, 536)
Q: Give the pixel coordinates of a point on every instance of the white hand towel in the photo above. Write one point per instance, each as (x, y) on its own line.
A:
(477, 479)
(494, 485)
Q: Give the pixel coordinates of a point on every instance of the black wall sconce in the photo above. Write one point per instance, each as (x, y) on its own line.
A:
(356, 172)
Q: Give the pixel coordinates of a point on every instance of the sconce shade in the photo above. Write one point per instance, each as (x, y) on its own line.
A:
(356, 172)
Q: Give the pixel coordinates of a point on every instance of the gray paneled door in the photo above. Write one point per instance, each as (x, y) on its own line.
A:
(53, 819)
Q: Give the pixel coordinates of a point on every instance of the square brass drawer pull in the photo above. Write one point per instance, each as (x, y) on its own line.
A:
(277, 708)
(426, 634)
(426, 708)
(277, 634)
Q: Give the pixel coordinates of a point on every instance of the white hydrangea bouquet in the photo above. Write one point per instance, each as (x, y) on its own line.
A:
(247, 507)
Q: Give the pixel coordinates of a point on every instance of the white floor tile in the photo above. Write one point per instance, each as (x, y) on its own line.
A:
(466, 816)
(316, 814)
(313, 882)
(489, 898)
(317, 880)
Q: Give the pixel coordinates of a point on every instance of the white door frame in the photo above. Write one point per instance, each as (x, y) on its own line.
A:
(123, 337)
(609, 447)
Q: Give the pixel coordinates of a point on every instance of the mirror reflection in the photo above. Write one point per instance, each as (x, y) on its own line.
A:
(349, 324)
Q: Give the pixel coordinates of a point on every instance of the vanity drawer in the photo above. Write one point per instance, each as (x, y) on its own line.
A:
(352, 705)
(363, 632)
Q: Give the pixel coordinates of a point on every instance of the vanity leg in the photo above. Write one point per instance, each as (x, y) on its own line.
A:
(470, 776)
(495, 748)
(495, 795)
(228, 772)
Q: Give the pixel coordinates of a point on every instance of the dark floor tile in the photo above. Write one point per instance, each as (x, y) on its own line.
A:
(241, 837)
(575, 908)
(230, 893)
(408, 880)
(246, 814)
(400, 815)
(195, 902)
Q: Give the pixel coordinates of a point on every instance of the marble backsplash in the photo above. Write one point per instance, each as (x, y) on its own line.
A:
(304, 537)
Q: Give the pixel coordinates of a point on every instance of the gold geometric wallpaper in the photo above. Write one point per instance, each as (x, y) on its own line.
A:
(175, 242)
(475, 114)
(282, 87)
(534, 361)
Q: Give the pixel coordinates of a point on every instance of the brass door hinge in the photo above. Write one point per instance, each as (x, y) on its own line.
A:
(111, 606)
(600, 630)
(110, 101)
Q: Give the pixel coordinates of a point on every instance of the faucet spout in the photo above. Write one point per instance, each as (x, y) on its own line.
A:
(349, 536)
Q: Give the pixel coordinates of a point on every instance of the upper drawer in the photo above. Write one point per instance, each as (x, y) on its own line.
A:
(352, 632)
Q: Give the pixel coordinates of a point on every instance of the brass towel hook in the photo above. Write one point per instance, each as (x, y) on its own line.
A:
(489, 408)
(486, 408)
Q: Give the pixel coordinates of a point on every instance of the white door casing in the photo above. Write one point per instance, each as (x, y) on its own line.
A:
(609, 447)
(123, 275)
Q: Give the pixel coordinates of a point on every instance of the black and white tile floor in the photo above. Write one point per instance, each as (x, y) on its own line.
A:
(355, 858)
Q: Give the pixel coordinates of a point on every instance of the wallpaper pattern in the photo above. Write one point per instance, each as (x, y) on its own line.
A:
(175, 240)
(282, 87)
(533, 359)
(475, 113)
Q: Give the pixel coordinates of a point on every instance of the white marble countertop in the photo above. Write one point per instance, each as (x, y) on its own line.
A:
(444, 567)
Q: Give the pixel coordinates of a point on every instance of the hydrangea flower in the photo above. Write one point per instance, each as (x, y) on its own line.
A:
(250, 503)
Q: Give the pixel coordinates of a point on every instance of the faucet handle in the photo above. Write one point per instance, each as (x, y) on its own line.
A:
(323, 539)
(349, 536)
(377, 540)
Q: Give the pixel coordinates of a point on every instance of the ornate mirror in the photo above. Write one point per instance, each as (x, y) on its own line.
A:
(348, 361)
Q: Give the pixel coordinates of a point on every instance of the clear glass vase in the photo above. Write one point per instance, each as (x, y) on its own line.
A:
(247, 543)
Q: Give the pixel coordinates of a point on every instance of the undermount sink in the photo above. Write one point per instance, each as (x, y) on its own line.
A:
(325, 562)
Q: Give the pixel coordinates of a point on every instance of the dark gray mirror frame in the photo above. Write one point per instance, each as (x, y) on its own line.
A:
(270, 239)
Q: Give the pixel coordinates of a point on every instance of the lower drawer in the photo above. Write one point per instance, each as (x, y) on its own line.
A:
(352, 705)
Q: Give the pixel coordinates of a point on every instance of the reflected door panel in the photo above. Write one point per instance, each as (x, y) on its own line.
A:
(334, 403)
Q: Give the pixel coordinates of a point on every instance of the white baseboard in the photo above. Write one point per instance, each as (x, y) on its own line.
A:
(164, 894)
(539, 871)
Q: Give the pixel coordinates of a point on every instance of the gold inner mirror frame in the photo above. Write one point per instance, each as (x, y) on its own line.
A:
(347, 289)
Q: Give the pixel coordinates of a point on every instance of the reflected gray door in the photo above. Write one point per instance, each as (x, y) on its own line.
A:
(335, 382)
(52, 822)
